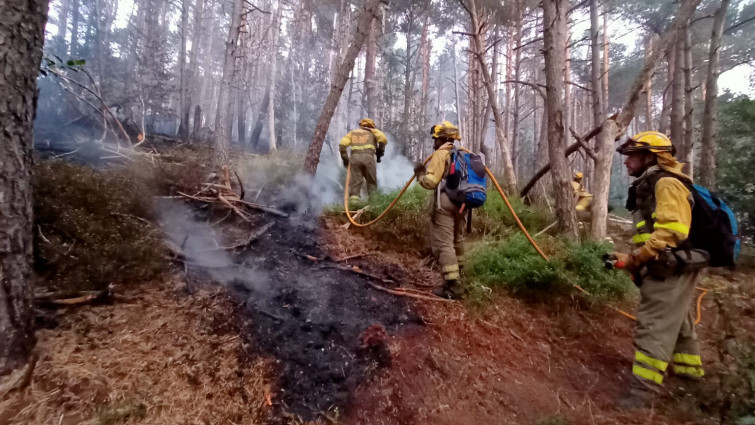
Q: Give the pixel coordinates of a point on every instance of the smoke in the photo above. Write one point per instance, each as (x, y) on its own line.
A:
(202, 246)
(393, 172)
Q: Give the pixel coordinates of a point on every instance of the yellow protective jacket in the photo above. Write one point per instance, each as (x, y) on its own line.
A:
(584, 198)
(436, 168)
(663, 210)
(362, 139)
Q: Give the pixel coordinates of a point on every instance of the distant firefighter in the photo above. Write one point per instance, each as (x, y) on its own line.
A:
(583, 197)
(367, 145)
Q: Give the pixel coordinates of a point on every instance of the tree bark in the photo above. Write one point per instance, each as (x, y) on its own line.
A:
(667, 97)
(649, 88)
(710, 115)
(257, 131)
(182, 71)
(598, 109)
(22, 31)
(606, 59)
(74, 29)
(508, 165)
(60, 38)
(517, 76)
(677, 96)
(689, 147)
(554, 15)
(369, 71)
(612, 128)
(272, 143)
(424, 46)
(222, 127)
(371, 11)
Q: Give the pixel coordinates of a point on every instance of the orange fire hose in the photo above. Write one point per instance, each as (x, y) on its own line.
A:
(513, 213)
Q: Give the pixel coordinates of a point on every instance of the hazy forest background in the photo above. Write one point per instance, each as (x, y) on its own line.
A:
(163, 67)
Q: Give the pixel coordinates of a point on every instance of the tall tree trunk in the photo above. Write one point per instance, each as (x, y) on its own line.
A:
(516, 151)
(424, 46)
(667, 92)
(183, 83)
(408, 89)
(649, 88)
(222, 127)
(259, 123)
(677, 97)
(22, 31)
(710, 115)
(192, 77)
(371, 10)
(60, 38)
(508, 165)
(75, 29)
(598, 108)
(611, 128)
(554, 15)
(272, 145)
(689, 147)
(457, 97)
(606, 59)
(369, 71)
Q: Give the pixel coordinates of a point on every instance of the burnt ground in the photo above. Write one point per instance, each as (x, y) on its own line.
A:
(312, 316)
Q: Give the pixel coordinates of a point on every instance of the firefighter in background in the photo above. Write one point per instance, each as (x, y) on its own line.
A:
(583, 197)
(367, 145)
(661, 206)
(446, 220)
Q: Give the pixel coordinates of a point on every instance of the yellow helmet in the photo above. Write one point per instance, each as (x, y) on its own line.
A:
(445, 130)
(367, 123)
(653, 141)
(578, 175)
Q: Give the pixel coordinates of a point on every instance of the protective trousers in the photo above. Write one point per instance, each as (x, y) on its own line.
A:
(363, 169)
(447, 235)
(665, 331)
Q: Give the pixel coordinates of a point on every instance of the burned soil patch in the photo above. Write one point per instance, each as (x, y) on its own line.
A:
(324, 325)
(311, 317)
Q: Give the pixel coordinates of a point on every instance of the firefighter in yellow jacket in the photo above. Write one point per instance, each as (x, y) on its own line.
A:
(583, 197)
(663, 264)
(367, 147)
(447, 221)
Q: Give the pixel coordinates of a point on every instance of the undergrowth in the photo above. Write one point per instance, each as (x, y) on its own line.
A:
(91, 227)
(513, 264)
(407, 224)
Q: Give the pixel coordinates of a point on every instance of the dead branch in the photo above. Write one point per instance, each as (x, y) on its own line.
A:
(582, 144)
(409, 295)
(256, 234)
(241, 185)
(351, 257)
(267, 209)
(73, 299)
(233, 208)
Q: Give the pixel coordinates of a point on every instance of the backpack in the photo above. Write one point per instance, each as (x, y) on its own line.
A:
(465, 182)
(714, 227)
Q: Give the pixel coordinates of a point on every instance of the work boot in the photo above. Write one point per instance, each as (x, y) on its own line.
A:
(635, 399)
(451, 290)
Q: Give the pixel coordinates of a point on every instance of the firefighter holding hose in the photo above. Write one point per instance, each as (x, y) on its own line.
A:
(446, 220)
(661, 205)
(367, 145)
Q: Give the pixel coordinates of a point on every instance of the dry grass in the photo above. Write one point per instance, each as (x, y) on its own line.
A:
(157, 358)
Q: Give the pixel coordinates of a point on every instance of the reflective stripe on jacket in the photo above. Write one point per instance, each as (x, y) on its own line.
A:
(663, 213)
(361, 139)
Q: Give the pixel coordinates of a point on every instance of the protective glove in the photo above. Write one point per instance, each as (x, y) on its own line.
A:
(625, 261)
(379, 157)
(419, 168)
(345, 161)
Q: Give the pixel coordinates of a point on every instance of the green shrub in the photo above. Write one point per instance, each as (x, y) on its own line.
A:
(90, 227)
(514, 264)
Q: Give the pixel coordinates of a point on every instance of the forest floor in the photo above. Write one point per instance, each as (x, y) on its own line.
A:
(294, 328)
